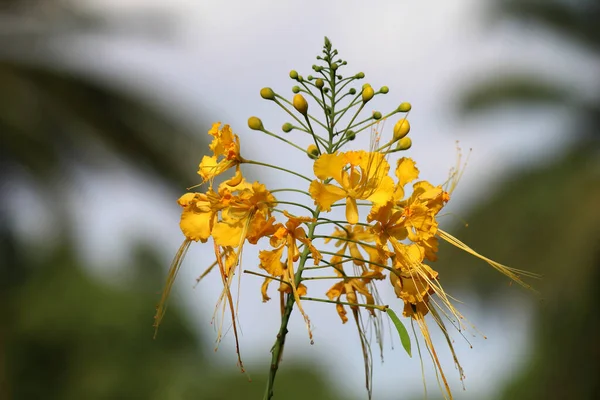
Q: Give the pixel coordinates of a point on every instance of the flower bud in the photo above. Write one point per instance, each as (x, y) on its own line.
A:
(296, 89)
(360, 75)
(255, 124)
(350, 135)
(401, 129)
(384, 90)
(293, 74)
(312, 151)
(376, 115)
(404, 107)
(325, 90)
(267, 93)
(334, 66)
(367, 94)
(404, 144)
(310, 77)
(352, 91)
(287, 127)
(319, 83)
(300, 104)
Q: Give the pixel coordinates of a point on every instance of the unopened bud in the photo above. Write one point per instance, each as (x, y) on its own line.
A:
(319, 83)
(384, 90)
(350, 135)
(287, 127)
(376, 115)
(401, 129)
(360, 75)
(352, 91)
(255, 124)
(293, 74)
(367, 94)
(404, 107)
(404, 144)
(312, 151)
(334, 66)
(310, 77)
(300, 104)
(296, 89)
(267, 93)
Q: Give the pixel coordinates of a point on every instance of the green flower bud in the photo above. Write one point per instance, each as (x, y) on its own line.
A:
(287, 127)
(334, 66)
(404, 144)
(339, 77)
(352, 91)
(300, 104)
(367, 94)
(401, 129)
(360, 75)
(300, 78)
(293, 74)
(312, 152)
(366, 85)
(310, 77)
(296, 89)
(384, 90)
(350, 135)
(404, 107)
(255, 124)
(325, 90)
(267, 93)
(319, 83)
(376, 115)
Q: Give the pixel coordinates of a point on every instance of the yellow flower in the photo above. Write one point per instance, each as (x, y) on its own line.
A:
(286, 238)
(350, 287)
(226, 154)
(200, 213)
(240, 219)
(361, 175)
(355, 239)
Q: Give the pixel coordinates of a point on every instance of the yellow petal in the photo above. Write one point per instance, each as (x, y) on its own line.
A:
(406, 171)
(228, 235)
(196, 225)
(384, 191)
(325, 195)
(351, 210)
(335, 291)
(330, 166)
(209, 167)
(263, 289)
(270, 261)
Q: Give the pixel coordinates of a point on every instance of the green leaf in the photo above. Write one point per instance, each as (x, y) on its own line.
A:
(404, 338)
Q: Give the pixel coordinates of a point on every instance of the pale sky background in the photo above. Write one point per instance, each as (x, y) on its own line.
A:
(222, 53)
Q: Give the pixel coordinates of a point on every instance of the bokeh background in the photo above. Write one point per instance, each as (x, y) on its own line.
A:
(104, 109)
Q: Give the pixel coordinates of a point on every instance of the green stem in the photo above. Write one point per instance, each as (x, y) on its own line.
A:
(283, 140)
(381, 308)
(277, 349)
(276, 167)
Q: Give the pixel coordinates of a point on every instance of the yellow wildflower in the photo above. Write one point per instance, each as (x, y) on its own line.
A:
(361, 175)
(286, 238)
(226, 154)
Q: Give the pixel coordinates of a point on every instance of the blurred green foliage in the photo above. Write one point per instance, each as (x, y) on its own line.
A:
(545, 220)
(66, 333)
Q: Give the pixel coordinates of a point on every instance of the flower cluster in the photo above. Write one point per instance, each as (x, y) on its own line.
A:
(391, 228)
